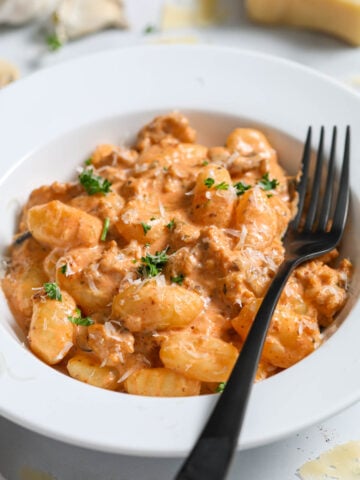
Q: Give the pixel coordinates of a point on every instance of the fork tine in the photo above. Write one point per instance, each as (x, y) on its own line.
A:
(305, 164)
(310, 216)
(342, 201)
(325, 210)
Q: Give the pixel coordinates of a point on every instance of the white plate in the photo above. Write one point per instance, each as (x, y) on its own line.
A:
(49, 124)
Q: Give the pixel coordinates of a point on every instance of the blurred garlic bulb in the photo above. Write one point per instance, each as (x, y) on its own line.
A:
(15, 12)
(74, 18)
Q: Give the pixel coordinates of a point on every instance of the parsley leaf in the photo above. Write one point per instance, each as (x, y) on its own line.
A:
(241, 188)
(267, 184)
(94, 183)
(146, 227)
(150, 29)
(205, 163)
(79, 320)
(209, 182)
(63, 269)
(88, 161)
(221, 387)
(152, 265)
(222, 186)
(52, 290)
(179, 279)
(105, 229)
(53, 43)
(171, 225)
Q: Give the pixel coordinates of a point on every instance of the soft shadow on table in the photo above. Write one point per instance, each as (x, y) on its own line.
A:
(23, 454)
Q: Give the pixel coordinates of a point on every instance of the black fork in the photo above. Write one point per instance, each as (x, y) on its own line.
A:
(321, 232)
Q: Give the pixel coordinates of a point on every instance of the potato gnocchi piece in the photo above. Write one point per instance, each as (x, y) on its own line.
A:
(85, 368)
(109, 344)
(161, 382)
(293, 333)
(256, 219)
(324, 287)
(172, 127)
(112, 155)
(93, 275)
(58, 225)
(214, 198)
(154, 305)
(51, 333)
(63, 192)
(251, 145)
(199, 357)
(101, 206)
(143, 222)
(25, 273)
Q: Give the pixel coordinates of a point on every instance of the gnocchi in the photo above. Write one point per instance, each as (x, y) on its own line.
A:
(145, 274)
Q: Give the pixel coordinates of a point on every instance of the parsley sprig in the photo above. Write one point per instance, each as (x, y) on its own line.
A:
(52, 290)
(105, 229)
(222, 186)
(241, 188)
(152, 265)
(179, 279)
(146, 227)
(150, 29)
(53, 43)
(209, 182)
(80, 320)
(267, 184)
(221, 387)
(94, 183)
(171, 224)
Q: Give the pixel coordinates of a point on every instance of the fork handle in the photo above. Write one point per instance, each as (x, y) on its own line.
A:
(211, 456)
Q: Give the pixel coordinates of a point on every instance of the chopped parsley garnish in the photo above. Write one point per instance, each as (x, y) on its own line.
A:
(88, 161)
(94, 183)
(147, 245)
(171, 225)
(179, 279)
(52, 290)
(205, 163)
(63, 269)
(241, 188)
(222, 186)
(150, 29)
(267, 184)
(105, 229)
(146, 227)
(152, 265)
(80, 320)
(220, 388)
(53, 42)
(209, 182)
(134, 260)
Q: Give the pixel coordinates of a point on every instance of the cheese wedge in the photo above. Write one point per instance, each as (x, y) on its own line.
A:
(337, 17)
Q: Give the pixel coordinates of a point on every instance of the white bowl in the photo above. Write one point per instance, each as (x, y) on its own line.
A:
(49, 124)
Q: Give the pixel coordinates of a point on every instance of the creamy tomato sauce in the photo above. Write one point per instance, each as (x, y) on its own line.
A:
(145, 274)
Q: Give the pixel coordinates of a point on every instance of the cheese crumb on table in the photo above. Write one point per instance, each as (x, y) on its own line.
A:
(339, 463)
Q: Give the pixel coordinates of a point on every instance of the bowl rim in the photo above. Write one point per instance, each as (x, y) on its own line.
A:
(51, 421)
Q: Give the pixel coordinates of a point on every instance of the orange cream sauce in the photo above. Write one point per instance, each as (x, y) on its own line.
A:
(178, 332)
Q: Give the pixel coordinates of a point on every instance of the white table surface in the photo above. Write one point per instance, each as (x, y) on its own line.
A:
(22, 451)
